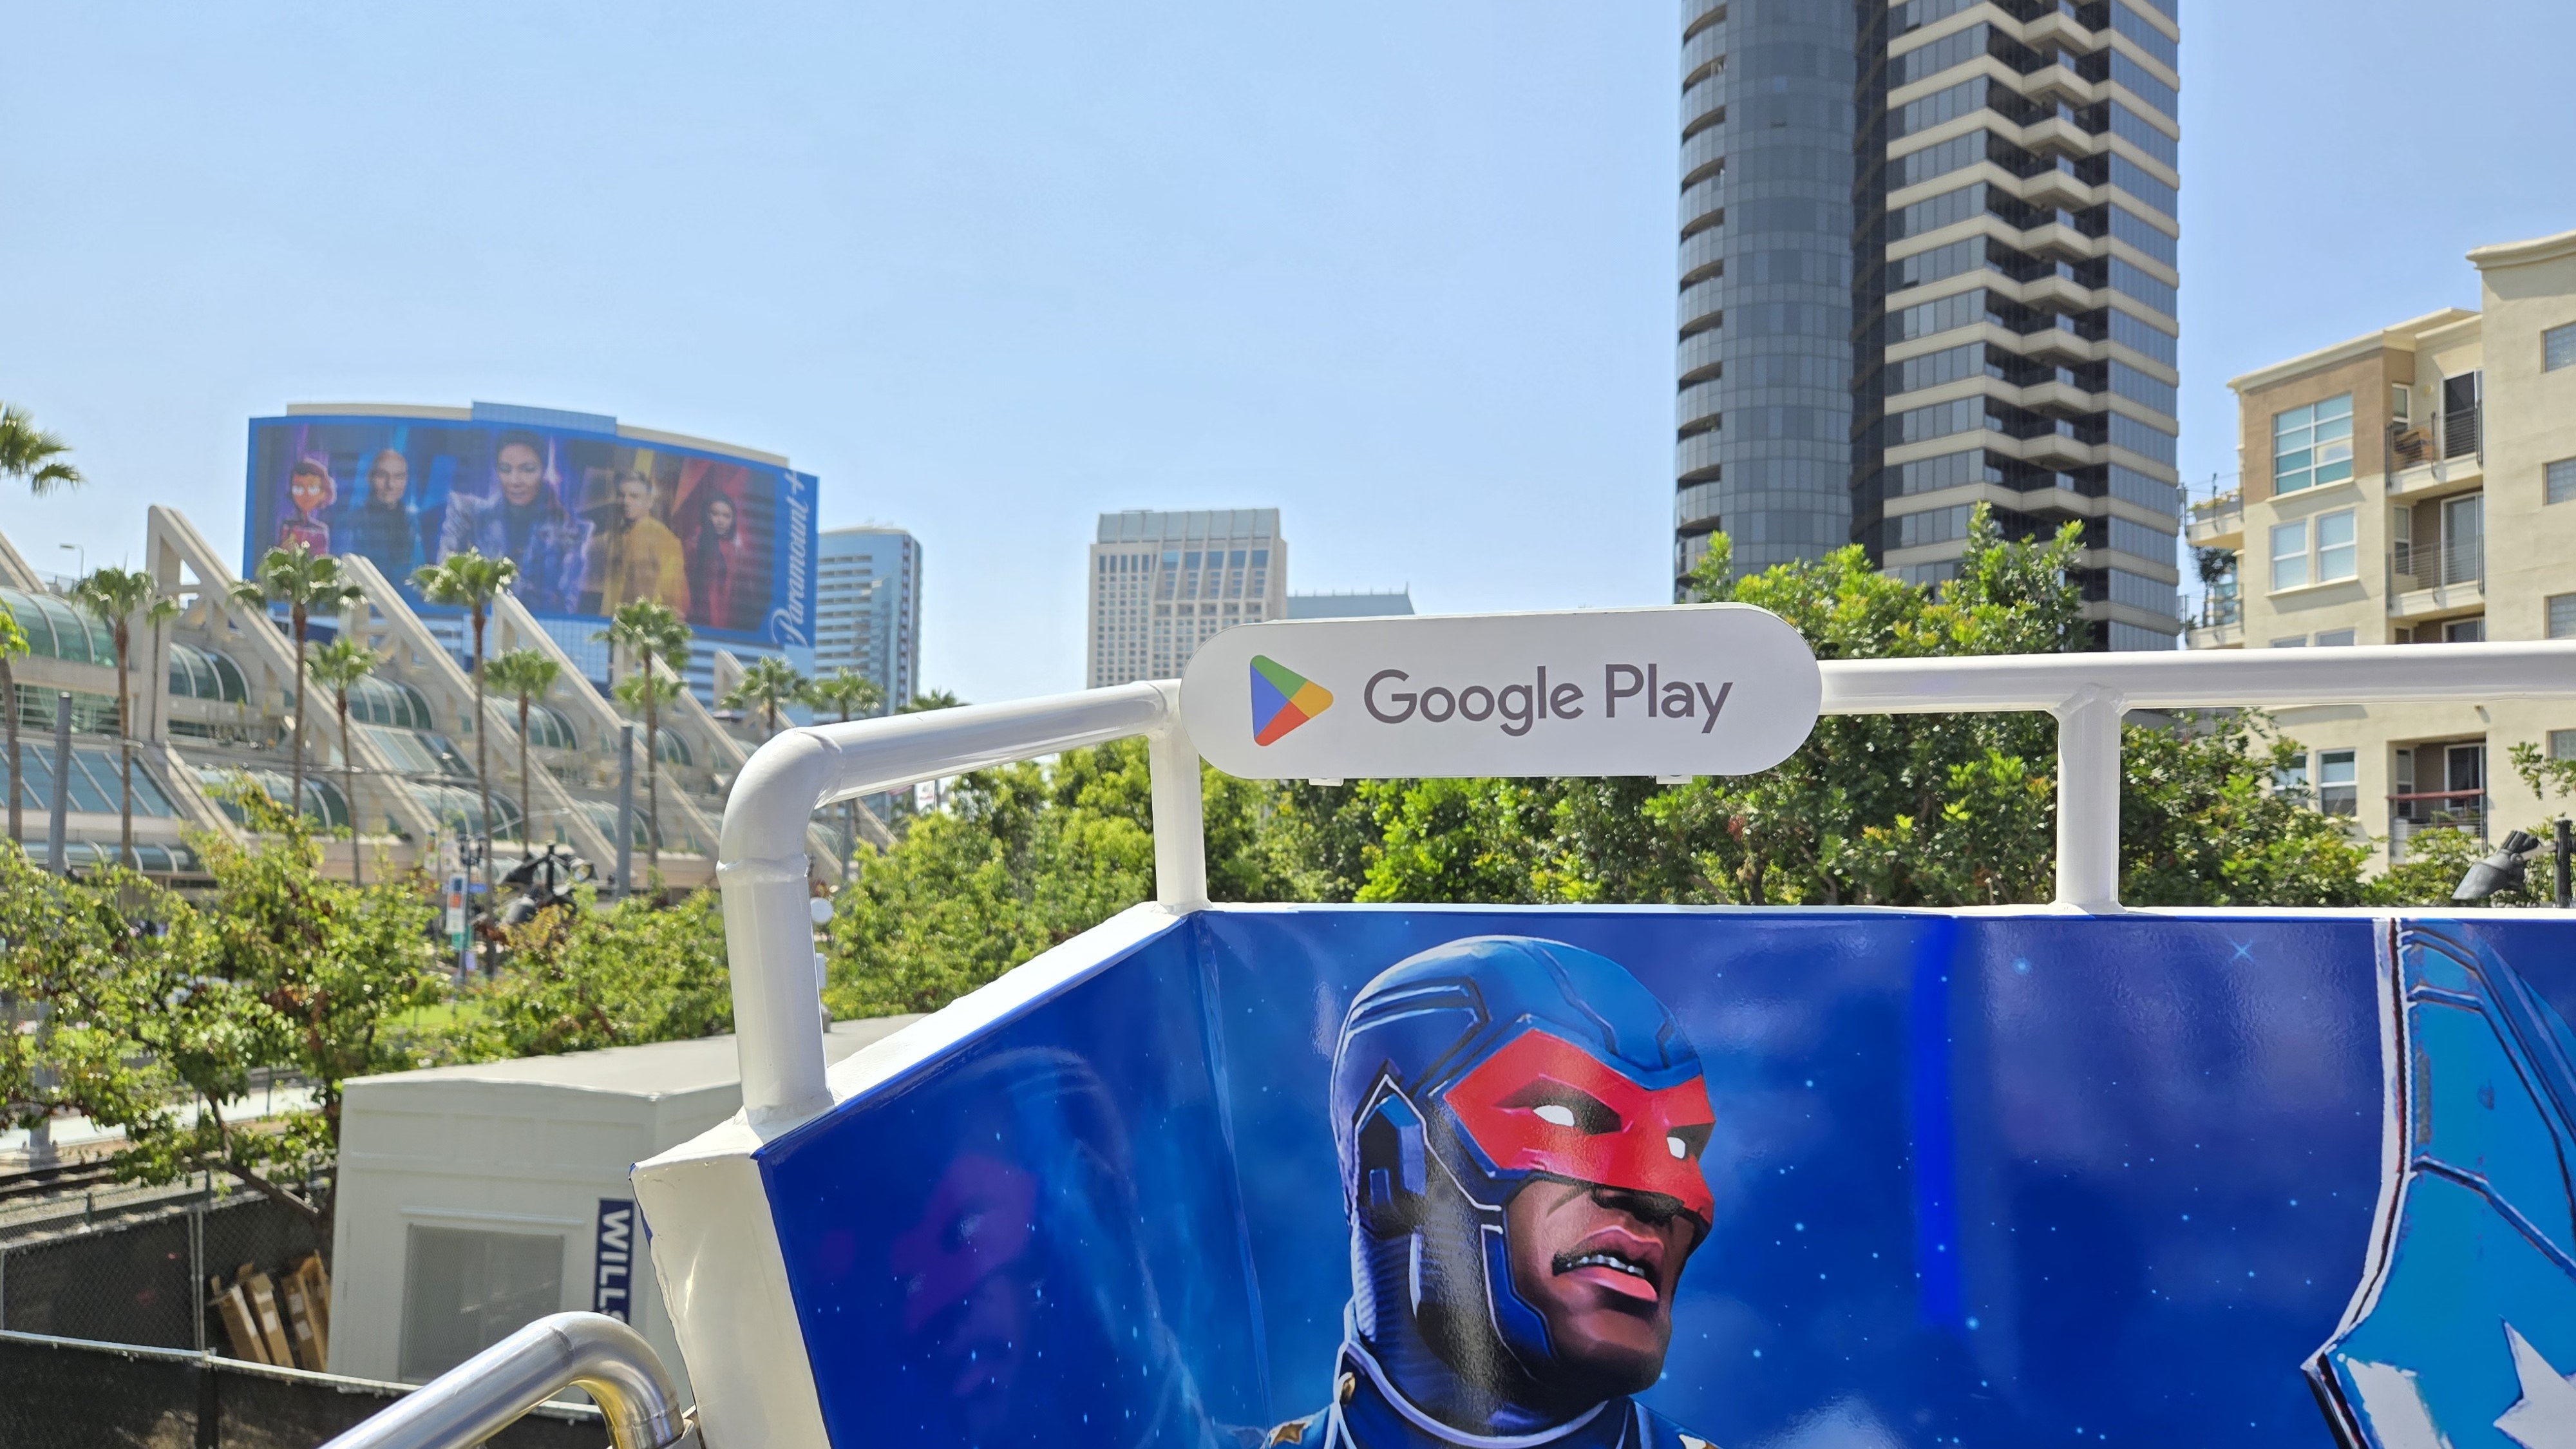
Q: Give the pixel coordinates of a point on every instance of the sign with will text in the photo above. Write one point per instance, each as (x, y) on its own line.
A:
(1693, 689)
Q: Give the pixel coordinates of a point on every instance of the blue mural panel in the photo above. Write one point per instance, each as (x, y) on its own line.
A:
(1931, 1179)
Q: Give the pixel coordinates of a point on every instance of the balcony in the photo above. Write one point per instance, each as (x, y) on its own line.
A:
(2409, 815)
(2219, 622)
(2427, 580)
(2445, 453)
(2218, 522)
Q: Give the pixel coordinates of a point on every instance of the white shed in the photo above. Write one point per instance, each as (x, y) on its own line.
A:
(475, 1199)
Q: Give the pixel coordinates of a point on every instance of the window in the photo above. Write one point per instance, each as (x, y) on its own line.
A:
(2289, 556)
(2398, 399)
(2558, 348)
(2560, 481)
(2290, 778)
(2465, 631)
(2562, 744)
(2336, 639)
(2337, 555)
(2295, 641)
(465, 1291)
(2562, 616)
(2338, 782)
(2312, 446)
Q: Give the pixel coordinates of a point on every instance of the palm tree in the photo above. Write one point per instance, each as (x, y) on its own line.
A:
(469, 581)
(852, 694)
(646, 694)
(931, 699)
(115, 597)
(32, 455)
(307, 583)
(13, 642)
(644, 630)
(767, 684)
(530, 674)
(338, 667)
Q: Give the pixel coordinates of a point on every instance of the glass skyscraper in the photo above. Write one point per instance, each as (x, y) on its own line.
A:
(1927, 261)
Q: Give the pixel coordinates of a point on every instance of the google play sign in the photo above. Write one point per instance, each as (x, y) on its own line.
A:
(1698, 689)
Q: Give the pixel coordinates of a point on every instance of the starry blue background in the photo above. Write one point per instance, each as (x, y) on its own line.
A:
(1981, 1179)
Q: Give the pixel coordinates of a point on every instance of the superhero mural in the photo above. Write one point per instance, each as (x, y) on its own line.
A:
(1775, 1179)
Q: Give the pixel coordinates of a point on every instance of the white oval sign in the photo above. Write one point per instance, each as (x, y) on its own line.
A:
(1693, 689)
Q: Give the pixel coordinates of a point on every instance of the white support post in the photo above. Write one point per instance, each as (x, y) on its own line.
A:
(1180, 823)
(2088, 800)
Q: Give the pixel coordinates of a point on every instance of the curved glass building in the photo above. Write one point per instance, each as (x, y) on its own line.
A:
(1927, 261)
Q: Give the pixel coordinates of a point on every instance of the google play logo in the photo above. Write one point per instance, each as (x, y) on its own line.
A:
(1282, 699)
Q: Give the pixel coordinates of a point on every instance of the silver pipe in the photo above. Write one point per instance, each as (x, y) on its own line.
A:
(485, 1394)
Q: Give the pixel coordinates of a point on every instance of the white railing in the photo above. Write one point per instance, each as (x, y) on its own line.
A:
(769, 929)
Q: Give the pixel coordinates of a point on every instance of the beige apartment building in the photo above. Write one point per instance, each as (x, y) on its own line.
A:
(2415, 485)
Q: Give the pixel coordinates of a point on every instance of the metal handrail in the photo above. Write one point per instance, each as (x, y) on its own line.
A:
(769, 933)
(485, 1394)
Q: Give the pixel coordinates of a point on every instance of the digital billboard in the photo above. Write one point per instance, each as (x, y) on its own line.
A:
(593, 519)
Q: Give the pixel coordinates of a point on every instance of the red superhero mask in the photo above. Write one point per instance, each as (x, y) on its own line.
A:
(1543, 1104)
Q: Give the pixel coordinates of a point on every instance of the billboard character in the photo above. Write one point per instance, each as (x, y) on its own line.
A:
(310, 489)
(1519, 1124)
(715, 552)
(638, 557)
(524, 520)
(381, 527)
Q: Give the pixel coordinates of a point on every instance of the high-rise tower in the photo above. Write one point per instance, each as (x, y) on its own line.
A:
(1989, 316)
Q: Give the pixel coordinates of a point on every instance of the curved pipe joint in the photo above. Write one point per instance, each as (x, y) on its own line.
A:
(761, 864)
(485, 1394)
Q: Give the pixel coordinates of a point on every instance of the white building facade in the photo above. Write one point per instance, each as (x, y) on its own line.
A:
(1162, 584)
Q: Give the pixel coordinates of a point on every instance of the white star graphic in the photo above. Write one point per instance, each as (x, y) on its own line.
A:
(2545, 1416)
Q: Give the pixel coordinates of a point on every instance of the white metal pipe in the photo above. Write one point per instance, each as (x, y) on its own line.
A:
(2088, 800)
(1180, 816)
(2272, 678)
(762, 869)
(492, 1390)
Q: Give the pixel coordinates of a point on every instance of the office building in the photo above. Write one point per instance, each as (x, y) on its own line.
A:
(2369, 472)
(1351, 604)
(1163, 583)
(1928, 261)
(867, 608)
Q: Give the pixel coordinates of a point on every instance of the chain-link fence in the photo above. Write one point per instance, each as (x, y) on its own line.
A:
(133, 1268)
(62, 1393)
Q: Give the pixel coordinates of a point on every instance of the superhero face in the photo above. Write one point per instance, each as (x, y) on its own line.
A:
(1597, 1238)
(1545, 1105)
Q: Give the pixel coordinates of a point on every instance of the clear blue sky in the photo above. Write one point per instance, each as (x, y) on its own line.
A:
(1404, 271)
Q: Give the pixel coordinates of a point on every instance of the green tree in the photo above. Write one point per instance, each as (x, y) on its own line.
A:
(164, 1009)
(13, 643)
(527, 675)
(306, 583)
(929, 699)
(645, 631)
(589, 976)
(768, 683)
(648, 695)
(33, 456)
(471, 582)
(338, 667)
(117, 598)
